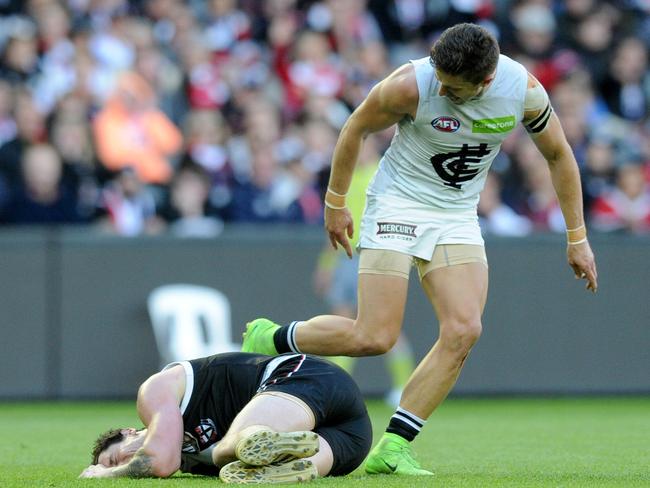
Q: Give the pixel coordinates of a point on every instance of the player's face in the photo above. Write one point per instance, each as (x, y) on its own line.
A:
(457, 89)
(121, 452)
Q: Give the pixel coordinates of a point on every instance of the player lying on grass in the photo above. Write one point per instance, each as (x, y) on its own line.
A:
(247, 418)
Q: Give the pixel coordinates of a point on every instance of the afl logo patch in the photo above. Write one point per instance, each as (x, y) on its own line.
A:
(446, 124)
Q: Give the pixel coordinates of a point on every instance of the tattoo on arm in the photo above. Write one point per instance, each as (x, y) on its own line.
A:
(138, 467)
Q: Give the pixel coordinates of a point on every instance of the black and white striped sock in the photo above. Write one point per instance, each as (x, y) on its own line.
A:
(285, 338)
(405, 424)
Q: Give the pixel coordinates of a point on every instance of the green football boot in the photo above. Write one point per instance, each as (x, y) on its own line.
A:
(393, 456)
(259, 337)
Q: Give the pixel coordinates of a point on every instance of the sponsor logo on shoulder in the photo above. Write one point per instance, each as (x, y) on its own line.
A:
(446, 123)
(396, 230)
(494, 126)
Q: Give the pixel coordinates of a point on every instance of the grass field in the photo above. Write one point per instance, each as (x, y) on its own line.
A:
(584, 442)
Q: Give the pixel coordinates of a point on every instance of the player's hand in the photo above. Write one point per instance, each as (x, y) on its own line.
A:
(95, 471)
(581, 259)
(340, 228)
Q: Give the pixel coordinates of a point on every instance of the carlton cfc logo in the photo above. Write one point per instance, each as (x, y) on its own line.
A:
(446, 124)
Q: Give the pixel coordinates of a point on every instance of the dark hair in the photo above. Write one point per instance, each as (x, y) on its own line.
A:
(106, 440)
(466, 50)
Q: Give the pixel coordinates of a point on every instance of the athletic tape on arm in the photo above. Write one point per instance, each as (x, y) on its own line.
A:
(537, 99)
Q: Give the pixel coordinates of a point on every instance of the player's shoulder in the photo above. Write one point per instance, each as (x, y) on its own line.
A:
(161, 390)
(510, 80)
(505, 62)
(400, 89)
(401, 82)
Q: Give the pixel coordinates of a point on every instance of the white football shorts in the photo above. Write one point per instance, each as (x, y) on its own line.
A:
(412, 228)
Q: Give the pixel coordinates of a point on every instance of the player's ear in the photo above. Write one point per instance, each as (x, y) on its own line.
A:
(128, 431)
(488, 79)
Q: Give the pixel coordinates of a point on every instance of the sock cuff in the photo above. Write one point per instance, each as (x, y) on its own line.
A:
(405, 414)
(291, 337)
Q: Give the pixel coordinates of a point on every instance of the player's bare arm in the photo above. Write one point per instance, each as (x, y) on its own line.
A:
(546, 131)
(158, 408)
(388, 102)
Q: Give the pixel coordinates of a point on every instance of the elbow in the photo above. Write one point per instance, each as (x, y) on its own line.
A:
(163, 471)
(560, 155)
(560, 161)
(166, 468)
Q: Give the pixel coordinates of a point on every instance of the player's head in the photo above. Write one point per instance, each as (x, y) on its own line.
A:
(465, 58)
(117, 446)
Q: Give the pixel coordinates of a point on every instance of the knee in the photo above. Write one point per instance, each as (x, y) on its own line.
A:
(460, 335)
(372, 343)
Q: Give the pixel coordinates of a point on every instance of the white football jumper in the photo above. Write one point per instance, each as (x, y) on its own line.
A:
(427, 186)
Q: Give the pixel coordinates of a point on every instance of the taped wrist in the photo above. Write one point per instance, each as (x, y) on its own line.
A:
(334, 200)
(577, 235)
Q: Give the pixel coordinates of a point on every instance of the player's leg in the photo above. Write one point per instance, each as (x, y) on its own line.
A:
(383, 286)
(457, 293)
(381, 309)
(345, 362)
(277, 426)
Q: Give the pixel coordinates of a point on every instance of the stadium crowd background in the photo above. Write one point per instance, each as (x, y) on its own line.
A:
(140, 117)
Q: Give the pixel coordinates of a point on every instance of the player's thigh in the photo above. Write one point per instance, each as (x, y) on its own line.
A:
(383, 287)
(457, 292)
(279, 411)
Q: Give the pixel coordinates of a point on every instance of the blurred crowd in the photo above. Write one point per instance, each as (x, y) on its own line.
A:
(150, 116)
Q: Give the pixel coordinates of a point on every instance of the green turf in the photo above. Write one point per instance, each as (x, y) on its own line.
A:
(523, 443)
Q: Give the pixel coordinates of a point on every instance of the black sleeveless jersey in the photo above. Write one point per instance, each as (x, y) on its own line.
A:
(222, 385)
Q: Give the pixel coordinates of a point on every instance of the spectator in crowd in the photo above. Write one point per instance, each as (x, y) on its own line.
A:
(42, 196)
(626, 207)
(189, 194)
(131, 132)
(626, 87)
(7, 122)
(370, 67)
(206, 135)
(535, 33)
(130, 206)
(206, 88)
(72, 139)
(593, 36)
(19, 61)
(599, 170)
(30, 129)
(349, 25)
(264, 199)
(316, 69)
(298, 175)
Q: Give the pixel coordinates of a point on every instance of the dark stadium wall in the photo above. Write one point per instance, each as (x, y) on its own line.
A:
(75, 322)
